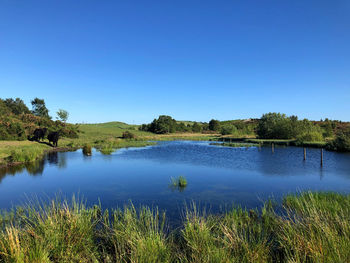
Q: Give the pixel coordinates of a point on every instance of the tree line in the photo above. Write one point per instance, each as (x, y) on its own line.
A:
(270, 126)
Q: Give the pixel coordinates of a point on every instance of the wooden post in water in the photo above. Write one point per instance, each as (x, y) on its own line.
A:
(273, 147)
(304, 154)
(321, 157)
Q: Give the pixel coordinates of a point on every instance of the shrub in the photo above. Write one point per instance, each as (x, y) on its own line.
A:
(196, 127)
(87, 149)
(312, 135)
(214, 125)
(128, 135)
(228, 129)
(341, 143)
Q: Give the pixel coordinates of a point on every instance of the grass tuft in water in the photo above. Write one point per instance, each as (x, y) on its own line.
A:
(87, 149)
(179, 181)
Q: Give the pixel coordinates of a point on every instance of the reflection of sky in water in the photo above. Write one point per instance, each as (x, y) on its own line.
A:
(217, 176)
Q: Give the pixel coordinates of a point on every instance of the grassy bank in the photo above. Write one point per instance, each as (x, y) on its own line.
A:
(312, 227)
(235, 144)
(21, 151)
(280, 142)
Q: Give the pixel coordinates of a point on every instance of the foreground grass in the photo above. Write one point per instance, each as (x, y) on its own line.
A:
(311, 227)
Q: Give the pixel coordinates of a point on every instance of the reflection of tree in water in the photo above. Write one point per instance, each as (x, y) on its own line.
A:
(35, 168)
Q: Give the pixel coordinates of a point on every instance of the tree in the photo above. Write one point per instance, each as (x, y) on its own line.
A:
(62, 115)
(196, 127)
(164, 124)
(214, 125)
(17, 106)
(39, 108)
(228, 129)
(341, 143)
(276, 126)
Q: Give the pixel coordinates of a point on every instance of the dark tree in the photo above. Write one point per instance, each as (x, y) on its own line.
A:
(39, 108)
(164, 124)
(341, 143)
(214, 125)
(17, 106)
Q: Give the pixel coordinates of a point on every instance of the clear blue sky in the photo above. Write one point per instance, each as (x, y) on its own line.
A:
(194, 60)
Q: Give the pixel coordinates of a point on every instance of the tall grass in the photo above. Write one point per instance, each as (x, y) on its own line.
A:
(316, 228)
(135, 236)
(310, 227)
(25, 154)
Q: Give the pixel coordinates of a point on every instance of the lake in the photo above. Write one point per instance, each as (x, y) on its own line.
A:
(217, 176)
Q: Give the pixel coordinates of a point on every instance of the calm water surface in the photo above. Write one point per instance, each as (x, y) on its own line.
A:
(217, 176)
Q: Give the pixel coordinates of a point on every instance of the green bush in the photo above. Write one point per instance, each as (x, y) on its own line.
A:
(214, 125)
(87, 149)
(341, 143)
(196, 127)
(312, 135)
(128, 135)
(228, 129)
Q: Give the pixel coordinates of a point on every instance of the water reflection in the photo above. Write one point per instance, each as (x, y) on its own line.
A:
(55, 158)
(35, 168)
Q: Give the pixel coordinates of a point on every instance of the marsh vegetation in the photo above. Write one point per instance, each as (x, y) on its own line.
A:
(309, 227)
(179, 182)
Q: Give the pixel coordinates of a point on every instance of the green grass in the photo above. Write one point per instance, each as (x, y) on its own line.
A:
(235, 144)
(20, 151)
(310, 227)
(179, 181)
(281, 142)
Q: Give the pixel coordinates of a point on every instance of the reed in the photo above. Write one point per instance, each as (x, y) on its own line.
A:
(309, 227)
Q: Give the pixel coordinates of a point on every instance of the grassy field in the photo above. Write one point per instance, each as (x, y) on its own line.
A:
(311, 227)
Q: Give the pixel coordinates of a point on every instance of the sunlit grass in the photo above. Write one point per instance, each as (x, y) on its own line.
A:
(179, 181)
(310, 227)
